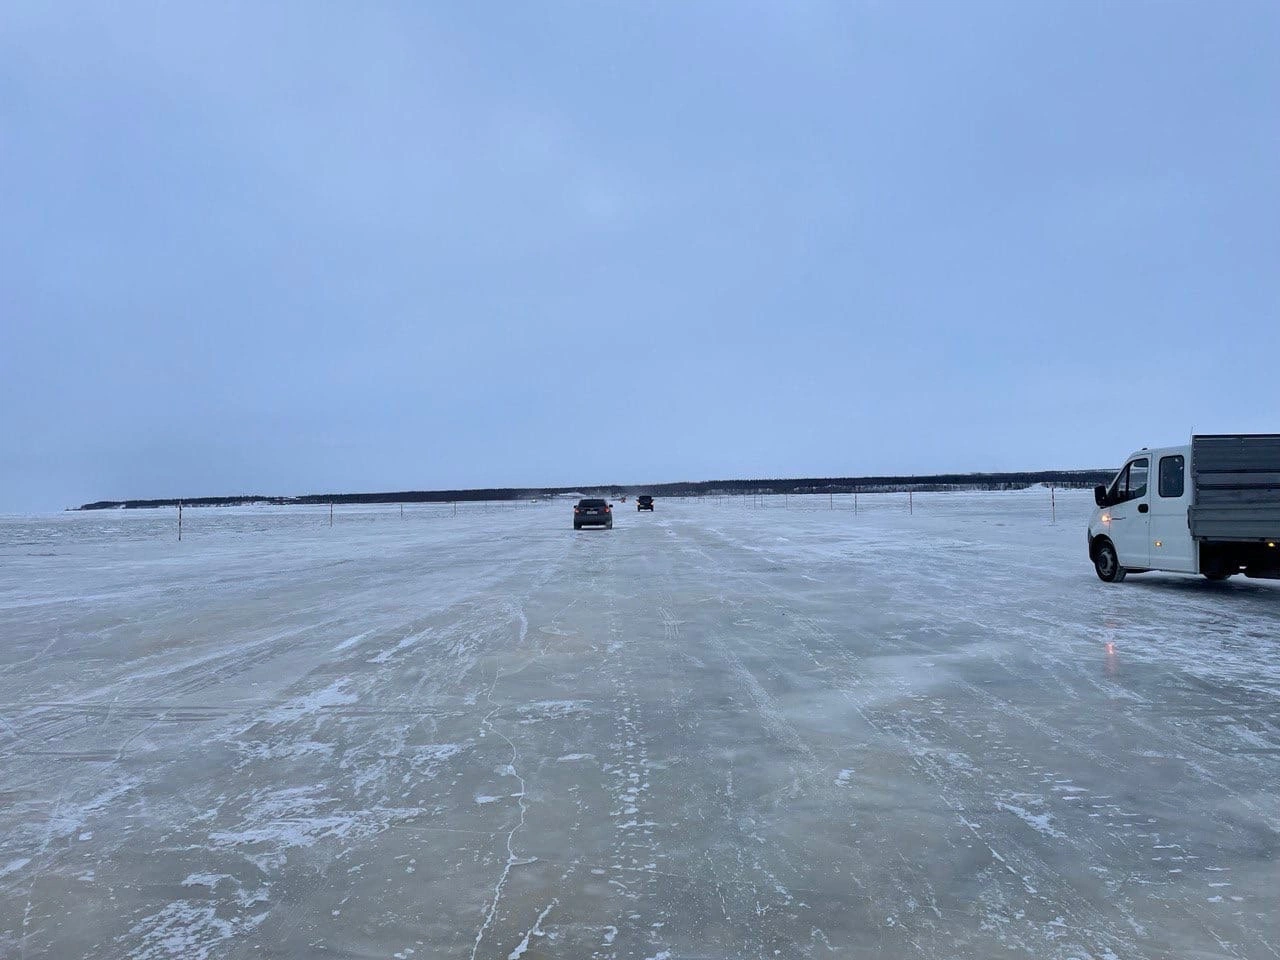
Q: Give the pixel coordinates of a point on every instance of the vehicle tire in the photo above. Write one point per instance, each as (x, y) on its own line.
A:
(1107, 563)
(577, 526)
(609, 525)
(1219, 575)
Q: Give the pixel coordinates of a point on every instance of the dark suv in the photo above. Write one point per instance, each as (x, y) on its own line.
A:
(644, 503)
(592, 513)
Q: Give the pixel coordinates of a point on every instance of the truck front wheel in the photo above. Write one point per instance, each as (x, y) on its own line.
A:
(1107, 563)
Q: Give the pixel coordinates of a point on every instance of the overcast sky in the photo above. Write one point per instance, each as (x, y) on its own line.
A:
(289, 248)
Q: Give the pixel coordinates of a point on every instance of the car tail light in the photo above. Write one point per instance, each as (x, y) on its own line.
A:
(575, 509)
(607, 509)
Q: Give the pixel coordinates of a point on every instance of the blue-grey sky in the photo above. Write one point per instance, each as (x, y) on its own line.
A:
(288, 248)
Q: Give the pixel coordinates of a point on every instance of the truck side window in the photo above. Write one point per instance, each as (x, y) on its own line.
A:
(1171, 473)
(1137, 484)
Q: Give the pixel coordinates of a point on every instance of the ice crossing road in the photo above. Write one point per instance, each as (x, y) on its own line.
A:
(714, 731)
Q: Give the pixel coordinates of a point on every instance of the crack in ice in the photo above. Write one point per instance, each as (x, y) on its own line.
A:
(534, 931)
(512, 859)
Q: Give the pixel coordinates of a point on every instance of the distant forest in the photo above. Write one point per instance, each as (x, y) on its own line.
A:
(934, 482)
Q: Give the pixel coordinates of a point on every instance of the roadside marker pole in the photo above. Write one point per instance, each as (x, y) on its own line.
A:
(910, 506)
(402, 511)
(831, 500)
(855, 503)
(1053, 503)
(331, 513)
(179, 521)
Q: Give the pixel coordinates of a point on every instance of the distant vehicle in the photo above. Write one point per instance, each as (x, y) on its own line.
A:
(644, 503)
(592, 513)
(1212, 507)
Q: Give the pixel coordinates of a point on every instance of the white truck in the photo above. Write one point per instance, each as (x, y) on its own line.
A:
(1209, 507)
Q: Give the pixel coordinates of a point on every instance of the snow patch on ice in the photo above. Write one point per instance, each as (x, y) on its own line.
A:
(188, 929)
(428, 757)
(13, 866)
(278, 820)
(552, 710)
(1251, 737)
(334, 695)
(351, 641)
(1041, 822)
(209, 880)
(286, 750)
(844, 777)
(409, 641)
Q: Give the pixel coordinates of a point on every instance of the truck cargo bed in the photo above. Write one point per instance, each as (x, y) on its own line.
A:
(1236, 482)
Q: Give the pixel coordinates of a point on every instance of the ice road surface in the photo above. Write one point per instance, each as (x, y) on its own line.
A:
(714, 731)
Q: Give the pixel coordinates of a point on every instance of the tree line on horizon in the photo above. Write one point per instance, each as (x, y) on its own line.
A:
(798, 486)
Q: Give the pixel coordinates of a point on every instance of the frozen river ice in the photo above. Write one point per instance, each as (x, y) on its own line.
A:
(719, 730)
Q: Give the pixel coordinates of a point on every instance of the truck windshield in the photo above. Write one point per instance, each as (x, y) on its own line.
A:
(1115, 487)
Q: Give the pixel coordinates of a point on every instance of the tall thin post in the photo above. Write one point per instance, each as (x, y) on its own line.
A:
(179, 521)
(402, 511)
(1053, 503)
(455, 508)
(855, 503)
(910, 506)
(331, 513)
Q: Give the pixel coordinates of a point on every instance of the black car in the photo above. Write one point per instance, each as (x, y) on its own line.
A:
(592, 513)
(644, 503)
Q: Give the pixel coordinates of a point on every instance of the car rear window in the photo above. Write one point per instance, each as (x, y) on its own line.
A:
(591, 503)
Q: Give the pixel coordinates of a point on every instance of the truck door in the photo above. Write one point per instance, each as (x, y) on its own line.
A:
(1130, 515)
(1171, 545)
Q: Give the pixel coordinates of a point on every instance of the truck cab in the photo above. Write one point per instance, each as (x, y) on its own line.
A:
(1210, 507)
(1140, 522)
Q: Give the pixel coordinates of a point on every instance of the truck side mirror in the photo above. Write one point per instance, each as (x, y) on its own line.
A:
(1100, 495)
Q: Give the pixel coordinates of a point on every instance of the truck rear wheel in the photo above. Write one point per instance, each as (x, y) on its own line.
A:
(1218, 563)
(1107, 563)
